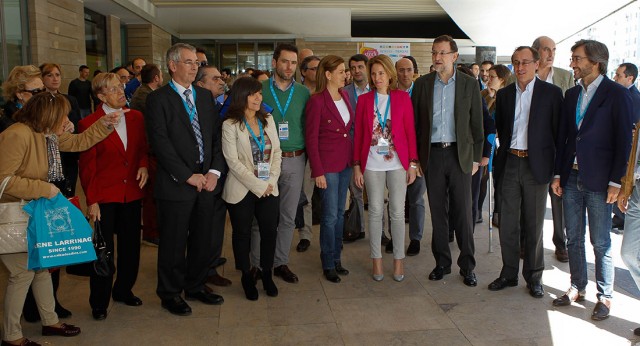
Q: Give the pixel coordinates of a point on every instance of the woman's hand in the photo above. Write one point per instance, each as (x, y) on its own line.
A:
(53, 191)
(321, 182)
(94, 212)
(112, 119)
(143, 175)
(411, 175)
(68, 126)
(358, 177)
(268, 191)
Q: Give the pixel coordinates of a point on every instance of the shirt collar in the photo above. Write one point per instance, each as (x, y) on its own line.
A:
(108, 109)
(453, 77)
(180, 88)
(366, 88)
(273, 82)
(529, 86)
(594, 85)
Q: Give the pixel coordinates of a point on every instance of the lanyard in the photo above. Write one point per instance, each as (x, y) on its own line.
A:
(383, 122)
(410, 91)
(261, 143)
(286, 106)
(190, 110)
(580, 115)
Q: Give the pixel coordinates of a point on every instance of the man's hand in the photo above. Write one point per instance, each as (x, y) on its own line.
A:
(612, 194)
(198, 181)
(484, 161)
(475, 168)
(211, 181)
(555, 187)
(142, 177)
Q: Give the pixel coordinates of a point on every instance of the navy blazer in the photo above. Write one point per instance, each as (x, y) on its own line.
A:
(602, 143)
(544, 115)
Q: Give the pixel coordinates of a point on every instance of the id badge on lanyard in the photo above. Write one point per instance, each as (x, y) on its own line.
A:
(383, 146)
(283, 131)
(263, 170)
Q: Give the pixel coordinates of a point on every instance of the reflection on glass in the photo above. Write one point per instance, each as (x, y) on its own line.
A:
(246, 56)
(229, 57)
(265, 55)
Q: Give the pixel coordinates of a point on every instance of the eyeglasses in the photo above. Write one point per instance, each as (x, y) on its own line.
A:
(35, 91)
(576, 58)
(440, 53)
(115, 90)
(191, 63)
(203, 63)
(311, 69)
(521, 63)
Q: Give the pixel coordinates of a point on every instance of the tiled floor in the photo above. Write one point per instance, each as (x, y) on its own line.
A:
(360, 311)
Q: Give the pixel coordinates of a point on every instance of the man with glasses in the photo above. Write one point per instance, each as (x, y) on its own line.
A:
(448, 113)
(181, 121)
(527, 115)
(593, 145)
(308, 68)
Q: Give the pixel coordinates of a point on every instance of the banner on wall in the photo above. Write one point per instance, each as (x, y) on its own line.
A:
(393, 50)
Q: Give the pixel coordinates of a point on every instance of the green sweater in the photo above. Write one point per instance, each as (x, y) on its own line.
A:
(294, 115)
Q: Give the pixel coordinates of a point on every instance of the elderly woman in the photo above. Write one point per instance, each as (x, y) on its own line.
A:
(329, 142)
(113, 174)
(385, 155)
(33, 163)
(251, 146)
(23, 82)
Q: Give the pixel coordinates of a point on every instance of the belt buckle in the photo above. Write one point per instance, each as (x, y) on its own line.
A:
(445, 145)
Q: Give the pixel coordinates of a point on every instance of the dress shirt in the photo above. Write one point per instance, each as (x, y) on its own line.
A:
(519, 138)
(121, 128)
(273, 81)
(444, 98)
(549, 76)
(587, 94)
(360, 91)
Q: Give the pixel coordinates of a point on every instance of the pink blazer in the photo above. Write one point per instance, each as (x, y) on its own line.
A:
(328, 140)
(403, 133)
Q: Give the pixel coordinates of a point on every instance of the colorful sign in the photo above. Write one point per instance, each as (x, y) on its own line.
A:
(393, 50)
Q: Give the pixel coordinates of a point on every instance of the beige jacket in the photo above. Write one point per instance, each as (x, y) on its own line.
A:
(24, 155)
(237, 152)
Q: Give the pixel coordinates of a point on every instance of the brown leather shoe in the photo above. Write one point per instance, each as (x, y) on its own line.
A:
(218, 280)
(285, 273)
(63, 330)
(601, 310)
(24, 342)
(562, 255)
(572, 295)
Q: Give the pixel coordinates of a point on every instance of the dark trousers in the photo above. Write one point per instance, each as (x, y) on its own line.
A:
(446, 181)
(122, 219)
(219, 218)
(266, 211)
(186, 244)
(149, 217)
(523, 207)
(476, 179)
(483, 187)
(559, 235)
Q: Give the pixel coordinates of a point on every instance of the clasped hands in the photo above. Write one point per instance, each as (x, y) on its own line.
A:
(207, 181)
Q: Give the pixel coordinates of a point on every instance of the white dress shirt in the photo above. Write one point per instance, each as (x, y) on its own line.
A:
(520, 137)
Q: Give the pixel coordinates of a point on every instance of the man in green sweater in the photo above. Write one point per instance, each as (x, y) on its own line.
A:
(288, 100)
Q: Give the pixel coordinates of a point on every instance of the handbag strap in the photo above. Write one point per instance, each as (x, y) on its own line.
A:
(5, 182)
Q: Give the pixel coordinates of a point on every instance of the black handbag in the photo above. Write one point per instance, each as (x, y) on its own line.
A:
(352, 222)
(103, 265)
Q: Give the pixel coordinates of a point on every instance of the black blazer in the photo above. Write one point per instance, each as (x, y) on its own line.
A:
(467, 113)
(174, 143)
(602, 143)
(544, 116)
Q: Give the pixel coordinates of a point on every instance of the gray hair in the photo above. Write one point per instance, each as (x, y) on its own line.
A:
(597, 52)
(305, 62)
(202, 72)
(173, 54)
(536, 43)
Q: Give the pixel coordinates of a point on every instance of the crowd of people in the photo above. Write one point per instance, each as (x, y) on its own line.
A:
(167, 162)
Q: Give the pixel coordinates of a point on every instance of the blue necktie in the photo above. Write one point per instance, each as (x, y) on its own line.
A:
(195, 123)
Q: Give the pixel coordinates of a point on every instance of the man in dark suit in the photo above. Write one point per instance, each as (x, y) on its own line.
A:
(527, 115)
(448, 111)
(594, 140)
(183, 128)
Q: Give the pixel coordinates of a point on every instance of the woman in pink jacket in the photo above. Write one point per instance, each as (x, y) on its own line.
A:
(385, 155)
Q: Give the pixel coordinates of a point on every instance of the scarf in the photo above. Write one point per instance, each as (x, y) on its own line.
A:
(53, 155)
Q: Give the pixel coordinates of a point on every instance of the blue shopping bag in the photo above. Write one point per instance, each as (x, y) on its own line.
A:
(57, 234)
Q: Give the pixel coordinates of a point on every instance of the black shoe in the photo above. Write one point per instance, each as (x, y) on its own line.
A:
(303, 245)
(361, 235)
(479, 220)
(389, 247)
(220, 261)
(249, 286)
(206, 297)
(177, 306)
(469, 278)
(99, 314)
(268, 285)
(502, 283)
(414, 248)
(451, 236)
(61, 311)
(636, 331)
(131, 301)
(384, 240)
(256, 273)
(438, 273)
(332, 275)
(535, 289)
(601, 310)
(340, 269)
(285, 273)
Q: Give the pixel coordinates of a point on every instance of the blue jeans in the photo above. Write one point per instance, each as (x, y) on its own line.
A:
(577, 201)
(334, 198)
(630, 250)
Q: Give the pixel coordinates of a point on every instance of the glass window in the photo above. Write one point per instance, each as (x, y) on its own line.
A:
(95, 27)
(13, 36)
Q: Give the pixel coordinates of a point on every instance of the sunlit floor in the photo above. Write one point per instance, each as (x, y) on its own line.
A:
(360, 311)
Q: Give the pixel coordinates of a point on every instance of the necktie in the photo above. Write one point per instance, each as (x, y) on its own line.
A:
(195, 123)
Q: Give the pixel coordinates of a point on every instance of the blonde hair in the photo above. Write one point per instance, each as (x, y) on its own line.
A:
(18, 77)
(102, 81)
(44, 112)
(388, 67)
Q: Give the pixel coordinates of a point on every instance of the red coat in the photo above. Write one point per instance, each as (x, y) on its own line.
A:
(329, 142)
(108, 172)
(403, 132)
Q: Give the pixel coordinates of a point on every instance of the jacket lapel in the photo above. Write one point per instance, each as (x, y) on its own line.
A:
(180, 110)
(333, 109)
(596, 101)
(511, 109)
(114, 137)
(431, 78)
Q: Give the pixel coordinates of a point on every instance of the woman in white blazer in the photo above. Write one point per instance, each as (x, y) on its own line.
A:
(251, 148)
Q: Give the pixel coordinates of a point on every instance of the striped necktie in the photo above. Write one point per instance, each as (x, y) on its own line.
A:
(195, 123)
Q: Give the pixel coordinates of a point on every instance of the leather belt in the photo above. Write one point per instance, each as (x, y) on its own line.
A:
(575, 166)
(292, 153)
(443, 145)
(519, 153)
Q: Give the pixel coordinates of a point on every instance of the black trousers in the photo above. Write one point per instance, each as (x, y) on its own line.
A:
(122, 219)
(449, 192)
(219, 219)
(266, 211)
(476, 180)
(559, 235)
(483, 187)
(186, 245)
(523, 207)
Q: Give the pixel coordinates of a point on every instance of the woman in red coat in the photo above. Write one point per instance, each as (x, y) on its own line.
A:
(113, 174)
(329, 142)
(385, 155)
